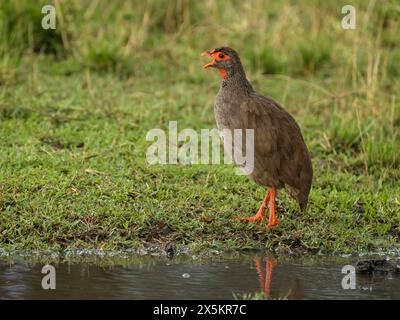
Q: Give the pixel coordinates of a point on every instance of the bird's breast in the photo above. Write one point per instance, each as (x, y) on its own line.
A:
(227, 113)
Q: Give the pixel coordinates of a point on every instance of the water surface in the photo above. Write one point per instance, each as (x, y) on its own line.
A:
(191, 277)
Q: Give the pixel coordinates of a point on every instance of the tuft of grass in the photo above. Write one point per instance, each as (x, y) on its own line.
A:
(108, 59)
(314, 55)
(266, 60)
(21, 27)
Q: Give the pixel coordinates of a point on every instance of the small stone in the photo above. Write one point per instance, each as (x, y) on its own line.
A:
(186, 275)
(370, 266)
(170, 250)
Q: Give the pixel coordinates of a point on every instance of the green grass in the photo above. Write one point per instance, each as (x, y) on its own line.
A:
(76, 104)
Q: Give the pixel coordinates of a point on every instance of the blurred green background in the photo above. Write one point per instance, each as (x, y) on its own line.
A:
(76, 104)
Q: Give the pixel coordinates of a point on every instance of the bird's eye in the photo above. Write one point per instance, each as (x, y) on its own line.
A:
(221, 55)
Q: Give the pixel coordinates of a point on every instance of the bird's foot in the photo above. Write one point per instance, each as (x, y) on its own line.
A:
(273, 224)
(260, 216)
(255, 218)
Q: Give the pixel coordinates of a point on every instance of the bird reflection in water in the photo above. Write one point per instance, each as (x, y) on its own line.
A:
(295, 290)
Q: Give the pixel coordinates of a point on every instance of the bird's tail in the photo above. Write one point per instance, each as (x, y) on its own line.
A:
(301, 198)
(303, 206)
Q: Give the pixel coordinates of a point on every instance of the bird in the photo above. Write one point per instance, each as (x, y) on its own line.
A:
(281, 157)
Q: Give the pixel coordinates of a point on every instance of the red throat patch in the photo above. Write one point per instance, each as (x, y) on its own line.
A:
(223, 73)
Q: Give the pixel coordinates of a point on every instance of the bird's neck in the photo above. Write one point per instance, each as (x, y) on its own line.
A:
(236, 80)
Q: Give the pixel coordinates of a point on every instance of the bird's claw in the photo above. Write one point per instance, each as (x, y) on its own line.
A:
(250, 219)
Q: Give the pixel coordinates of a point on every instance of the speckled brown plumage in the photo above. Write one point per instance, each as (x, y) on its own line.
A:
(281, 156)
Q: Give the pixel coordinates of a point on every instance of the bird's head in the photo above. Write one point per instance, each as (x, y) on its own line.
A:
(225, 59)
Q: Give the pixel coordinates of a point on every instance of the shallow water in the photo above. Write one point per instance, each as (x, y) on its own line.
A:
(189, 277)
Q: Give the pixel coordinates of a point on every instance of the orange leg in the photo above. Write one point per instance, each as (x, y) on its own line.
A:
(265, 282)
(268, 275)
(273, 221)
(260, 215)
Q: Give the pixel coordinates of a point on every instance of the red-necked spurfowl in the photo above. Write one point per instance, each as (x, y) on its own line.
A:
(281, 158)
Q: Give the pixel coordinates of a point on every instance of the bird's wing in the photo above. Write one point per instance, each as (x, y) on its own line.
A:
(277, 138)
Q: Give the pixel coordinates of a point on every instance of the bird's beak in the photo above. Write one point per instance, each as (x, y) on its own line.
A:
(210, 64)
